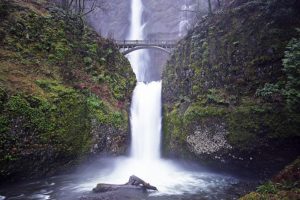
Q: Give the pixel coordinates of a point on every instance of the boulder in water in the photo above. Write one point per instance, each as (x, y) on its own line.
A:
(134, 182)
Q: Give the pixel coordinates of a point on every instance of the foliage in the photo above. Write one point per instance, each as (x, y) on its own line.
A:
(104, 113)
(268, 187)
(62, 122)
(173, 121)
(290, 88)
(195, 112)
(216, 96)
(3, 124)
(88, 61)
(291, 63)
(268, 90)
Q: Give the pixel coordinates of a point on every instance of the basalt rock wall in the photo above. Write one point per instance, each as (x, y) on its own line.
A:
(226, 88)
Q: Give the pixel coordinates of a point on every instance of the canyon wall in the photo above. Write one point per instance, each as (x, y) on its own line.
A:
(225, 88)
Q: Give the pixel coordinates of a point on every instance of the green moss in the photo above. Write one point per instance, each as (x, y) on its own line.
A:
(3, 124)
(217, 97)
(173, 130)
(88, 61)
(105, 114)
(246, 124)
(195, 112)
(250, 122)
(72, 123)
(205, 55)
(64, 122)
(268, 187)
(61, 50)
(54, 87)
(175, 120)
(18, 105)
(253, 196)
(92, 48)
(60, 119)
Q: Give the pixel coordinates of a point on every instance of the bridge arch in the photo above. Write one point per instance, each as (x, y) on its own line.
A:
(145, 47)
(128, 46)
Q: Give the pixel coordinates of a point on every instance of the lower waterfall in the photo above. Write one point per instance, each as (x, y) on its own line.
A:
(146, 121)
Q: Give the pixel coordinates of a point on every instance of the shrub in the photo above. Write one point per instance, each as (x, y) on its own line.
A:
(267, 188)
(291, 63)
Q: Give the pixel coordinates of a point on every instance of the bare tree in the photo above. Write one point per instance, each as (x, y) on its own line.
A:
(209, 7)
(82, 7)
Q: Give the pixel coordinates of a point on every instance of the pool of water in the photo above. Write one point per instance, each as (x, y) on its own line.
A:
(174, 180)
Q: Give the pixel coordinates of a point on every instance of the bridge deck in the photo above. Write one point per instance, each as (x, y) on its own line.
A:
(137, 43)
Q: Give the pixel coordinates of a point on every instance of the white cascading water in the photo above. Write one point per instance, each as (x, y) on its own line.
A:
(146, 121)
(138, 59)
(145, 160)
(146, 102)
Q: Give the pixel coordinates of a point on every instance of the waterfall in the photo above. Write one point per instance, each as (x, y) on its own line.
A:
(146, 103)
(145, 161)
(138, 59)
(146, 121)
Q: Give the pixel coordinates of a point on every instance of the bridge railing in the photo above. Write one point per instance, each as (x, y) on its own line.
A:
(146, 42)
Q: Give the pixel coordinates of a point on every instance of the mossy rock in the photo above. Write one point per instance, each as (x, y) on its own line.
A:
(55, 111)
(227, 68)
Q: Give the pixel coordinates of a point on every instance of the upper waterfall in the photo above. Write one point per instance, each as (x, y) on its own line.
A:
(138, 59)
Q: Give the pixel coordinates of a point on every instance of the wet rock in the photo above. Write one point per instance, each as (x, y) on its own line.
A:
(113, 141)
(134, 182)
(135, 188)
(208, 138)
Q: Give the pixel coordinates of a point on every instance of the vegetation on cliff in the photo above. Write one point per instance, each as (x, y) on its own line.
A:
(285, 185)
(64, 90)
(233, 82)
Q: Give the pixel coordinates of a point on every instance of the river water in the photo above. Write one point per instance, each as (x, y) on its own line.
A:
(174, 180)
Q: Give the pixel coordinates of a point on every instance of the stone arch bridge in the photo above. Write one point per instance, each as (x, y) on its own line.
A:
(128, 46)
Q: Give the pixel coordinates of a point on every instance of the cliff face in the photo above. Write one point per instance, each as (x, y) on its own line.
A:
(64, 91)
(225, 86)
